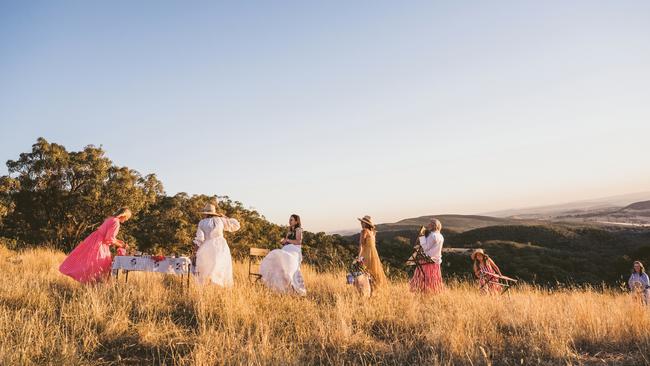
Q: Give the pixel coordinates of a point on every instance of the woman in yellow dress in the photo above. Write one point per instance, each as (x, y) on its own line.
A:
(368, 251)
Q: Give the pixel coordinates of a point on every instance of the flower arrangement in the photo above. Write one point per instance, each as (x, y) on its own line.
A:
(358, 266)
(118, 250)
(158, 258)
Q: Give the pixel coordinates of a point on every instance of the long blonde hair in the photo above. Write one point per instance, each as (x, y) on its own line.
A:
(123, 212)
(437, 225)
(477, 262)
(641, 268)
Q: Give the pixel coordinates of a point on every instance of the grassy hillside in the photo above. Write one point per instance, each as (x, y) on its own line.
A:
(46, 318)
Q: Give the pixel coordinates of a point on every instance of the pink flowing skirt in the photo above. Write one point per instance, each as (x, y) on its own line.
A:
(427, 278)
(90, 261)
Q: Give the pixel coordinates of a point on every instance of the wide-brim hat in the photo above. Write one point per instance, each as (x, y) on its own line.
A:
(367, 219)
(210, 209)
(477, 251)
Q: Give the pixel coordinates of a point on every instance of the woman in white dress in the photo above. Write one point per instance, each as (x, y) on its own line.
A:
(213, 261)
(280, 269)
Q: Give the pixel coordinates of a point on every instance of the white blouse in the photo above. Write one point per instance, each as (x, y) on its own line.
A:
(432, 245)
(213, 227)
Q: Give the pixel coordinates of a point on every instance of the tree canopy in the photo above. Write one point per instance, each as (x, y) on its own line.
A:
(55, 197)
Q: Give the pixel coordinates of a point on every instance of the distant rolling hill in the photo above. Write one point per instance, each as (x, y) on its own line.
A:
(455, 223)
(639, 206)
(592, 205)
(634, 214)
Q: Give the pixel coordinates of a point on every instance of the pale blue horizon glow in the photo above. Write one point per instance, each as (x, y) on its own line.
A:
(334, 110)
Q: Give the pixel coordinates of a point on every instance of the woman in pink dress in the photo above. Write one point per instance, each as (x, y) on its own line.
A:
(91, 260)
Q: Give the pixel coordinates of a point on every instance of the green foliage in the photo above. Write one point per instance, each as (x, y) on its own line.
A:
(55, 197)
(58, 197)
(543, 254)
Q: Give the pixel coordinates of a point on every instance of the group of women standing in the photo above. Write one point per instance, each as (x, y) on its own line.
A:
(91, 260)
(427, 278)
(280, 269)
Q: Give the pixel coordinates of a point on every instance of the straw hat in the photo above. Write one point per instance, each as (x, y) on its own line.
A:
(367, 219)
(210, 209)
(477, 251)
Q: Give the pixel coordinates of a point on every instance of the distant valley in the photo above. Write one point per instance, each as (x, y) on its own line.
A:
(623, 210)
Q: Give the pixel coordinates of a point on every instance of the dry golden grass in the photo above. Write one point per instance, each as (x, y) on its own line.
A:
(46, 318)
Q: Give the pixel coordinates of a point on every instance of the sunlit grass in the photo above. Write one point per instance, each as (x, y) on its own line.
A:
(46, 318)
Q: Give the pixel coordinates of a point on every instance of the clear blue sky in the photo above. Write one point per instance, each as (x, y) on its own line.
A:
(336, 109)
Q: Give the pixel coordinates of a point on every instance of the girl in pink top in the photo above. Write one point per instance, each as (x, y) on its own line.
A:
(91, 260)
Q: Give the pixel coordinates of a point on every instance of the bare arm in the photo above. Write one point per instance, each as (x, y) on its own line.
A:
(495, 267)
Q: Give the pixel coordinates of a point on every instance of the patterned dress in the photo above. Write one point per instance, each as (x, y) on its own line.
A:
(485, 280)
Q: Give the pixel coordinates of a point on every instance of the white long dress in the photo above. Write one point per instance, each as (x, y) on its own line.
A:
(213, 260)
(280, 270)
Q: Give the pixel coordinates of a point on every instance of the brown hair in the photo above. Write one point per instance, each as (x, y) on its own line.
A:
(366, 225)
(298, 223)
(476, 265)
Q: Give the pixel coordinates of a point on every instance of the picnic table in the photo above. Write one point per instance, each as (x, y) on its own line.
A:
(171, 265)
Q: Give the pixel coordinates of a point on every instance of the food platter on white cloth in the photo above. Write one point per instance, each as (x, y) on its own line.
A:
(172, 265)
(160, 264)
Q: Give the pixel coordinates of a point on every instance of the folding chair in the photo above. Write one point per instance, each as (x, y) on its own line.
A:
(493, 279)
(418, 258)
(254, 256)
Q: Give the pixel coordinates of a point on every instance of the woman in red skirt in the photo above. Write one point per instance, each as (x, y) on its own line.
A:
(428, 277)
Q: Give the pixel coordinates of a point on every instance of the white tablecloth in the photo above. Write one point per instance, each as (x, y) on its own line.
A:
(180, 265)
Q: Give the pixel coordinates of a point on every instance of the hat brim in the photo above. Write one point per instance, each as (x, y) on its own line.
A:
(367, 222)
(475, 254)
(210, 213)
